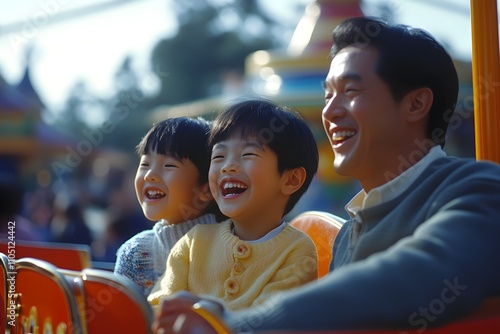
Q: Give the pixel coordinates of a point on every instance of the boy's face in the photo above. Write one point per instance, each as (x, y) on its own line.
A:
(363, 122)
(244, 180)
(167, 188)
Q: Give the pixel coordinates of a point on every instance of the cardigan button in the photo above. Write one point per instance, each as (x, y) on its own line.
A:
(231, 286)
(241, 250)
(238, 268)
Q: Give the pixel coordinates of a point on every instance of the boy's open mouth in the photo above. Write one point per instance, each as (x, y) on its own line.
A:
(232, 188)
(154, 193)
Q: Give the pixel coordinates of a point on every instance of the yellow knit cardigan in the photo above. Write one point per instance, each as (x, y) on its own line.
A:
(210, 260)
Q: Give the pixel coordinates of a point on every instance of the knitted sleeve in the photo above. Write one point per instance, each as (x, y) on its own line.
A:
(176, 274)
(134, 260)
(300, 267)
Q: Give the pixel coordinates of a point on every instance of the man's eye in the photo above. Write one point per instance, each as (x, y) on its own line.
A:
(215, 157)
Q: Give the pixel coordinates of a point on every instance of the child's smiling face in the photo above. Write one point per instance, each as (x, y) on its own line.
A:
(244, 178)
(168, 188)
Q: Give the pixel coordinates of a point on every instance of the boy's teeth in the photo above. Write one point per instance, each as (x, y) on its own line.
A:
(155, 193)
(233, 188)
(233, 185)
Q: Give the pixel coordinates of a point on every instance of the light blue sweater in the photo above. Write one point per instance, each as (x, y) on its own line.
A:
(143, 257)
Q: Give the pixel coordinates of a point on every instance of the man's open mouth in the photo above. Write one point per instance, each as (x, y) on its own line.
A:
(339, 137)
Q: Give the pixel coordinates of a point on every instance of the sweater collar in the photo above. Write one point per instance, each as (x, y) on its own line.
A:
(394, 187)
(203, 219)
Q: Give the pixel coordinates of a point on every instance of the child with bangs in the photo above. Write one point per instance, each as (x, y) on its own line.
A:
(263, 159)
(171, 185)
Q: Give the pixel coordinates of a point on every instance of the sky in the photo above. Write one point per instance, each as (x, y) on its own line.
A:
(100, 41)
(97, 42)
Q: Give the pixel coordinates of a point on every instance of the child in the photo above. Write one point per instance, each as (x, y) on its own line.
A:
(171, 184)
(263, 159)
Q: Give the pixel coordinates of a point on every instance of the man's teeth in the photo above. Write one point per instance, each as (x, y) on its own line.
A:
(341, 135)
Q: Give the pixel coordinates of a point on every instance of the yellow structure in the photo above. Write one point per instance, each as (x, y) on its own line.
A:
(486, 79)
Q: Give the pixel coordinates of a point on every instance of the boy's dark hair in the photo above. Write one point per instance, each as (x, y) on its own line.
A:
(182, 138)
(409, 58)
(283, 130)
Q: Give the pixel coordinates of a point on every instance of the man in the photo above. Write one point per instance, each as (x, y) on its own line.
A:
(417, 251)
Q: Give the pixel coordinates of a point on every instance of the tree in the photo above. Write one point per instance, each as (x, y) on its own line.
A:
(213, 38)
(77, 112)
(127, 111)
(118, 122)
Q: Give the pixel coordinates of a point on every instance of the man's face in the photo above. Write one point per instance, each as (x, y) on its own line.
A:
(363, 122)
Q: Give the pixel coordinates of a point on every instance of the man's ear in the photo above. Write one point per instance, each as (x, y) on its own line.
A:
(293, 180)
(419, 102)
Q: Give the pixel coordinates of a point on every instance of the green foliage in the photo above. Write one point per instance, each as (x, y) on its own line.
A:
(212, 40)
(118, 122)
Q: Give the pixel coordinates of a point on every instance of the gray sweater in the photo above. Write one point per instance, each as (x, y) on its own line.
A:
(422, 259)
(143, 258)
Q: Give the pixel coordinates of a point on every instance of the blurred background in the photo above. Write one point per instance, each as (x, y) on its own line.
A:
(82, 81)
